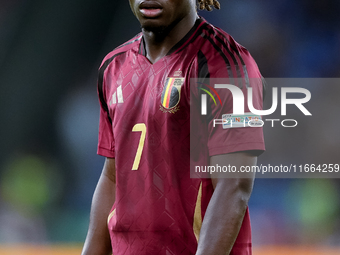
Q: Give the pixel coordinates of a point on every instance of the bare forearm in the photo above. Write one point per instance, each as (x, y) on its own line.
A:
(222, 222)
(227, 207)
(98, 240)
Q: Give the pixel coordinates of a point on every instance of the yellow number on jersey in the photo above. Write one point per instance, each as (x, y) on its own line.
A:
(140, 127)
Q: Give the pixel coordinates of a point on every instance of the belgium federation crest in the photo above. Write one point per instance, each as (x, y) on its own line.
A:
(171, 93)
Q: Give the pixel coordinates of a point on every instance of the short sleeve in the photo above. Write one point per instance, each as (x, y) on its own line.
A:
(106, 145)
(223, 140)
(105, 136)
(243, 73)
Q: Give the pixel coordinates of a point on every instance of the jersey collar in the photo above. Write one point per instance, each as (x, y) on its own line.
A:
(188, 38)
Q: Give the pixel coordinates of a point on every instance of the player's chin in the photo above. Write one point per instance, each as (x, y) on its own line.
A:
(154, 26)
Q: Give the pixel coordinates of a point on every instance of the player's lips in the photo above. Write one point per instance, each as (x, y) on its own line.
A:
(151, 13)
(150, 9)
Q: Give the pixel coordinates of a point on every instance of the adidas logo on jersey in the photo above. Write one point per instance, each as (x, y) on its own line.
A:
(117, 96)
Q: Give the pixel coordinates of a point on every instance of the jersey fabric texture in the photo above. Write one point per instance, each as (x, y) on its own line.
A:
(145, 126)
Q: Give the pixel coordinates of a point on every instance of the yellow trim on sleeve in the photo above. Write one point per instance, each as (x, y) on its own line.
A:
(111, 215)
(198, 214)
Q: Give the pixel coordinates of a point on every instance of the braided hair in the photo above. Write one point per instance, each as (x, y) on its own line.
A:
(206, 4)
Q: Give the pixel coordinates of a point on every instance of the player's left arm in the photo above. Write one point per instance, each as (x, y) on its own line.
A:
(228, 204)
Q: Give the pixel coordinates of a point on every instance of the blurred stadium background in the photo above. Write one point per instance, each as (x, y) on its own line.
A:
(49, 55)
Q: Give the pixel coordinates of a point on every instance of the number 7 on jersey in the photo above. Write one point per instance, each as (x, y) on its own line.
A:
(140, 127)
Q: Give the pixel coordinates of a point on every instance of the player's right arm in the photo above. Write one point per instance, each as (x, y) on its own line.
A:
(98, 240)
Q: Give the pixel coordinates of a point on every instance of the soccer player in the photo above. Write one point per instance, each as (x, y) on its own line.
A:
(145, 201)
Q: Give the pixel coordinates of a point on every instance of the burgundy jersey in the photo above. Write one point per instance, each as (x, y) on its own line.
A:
(145, 126)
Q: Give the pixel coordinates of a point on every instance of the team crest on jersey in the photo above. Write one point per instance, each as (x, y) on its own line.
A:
(171, 94)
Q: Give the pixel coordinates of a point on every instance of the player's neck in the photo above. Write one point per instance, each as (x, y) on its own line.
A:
(158, 44)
